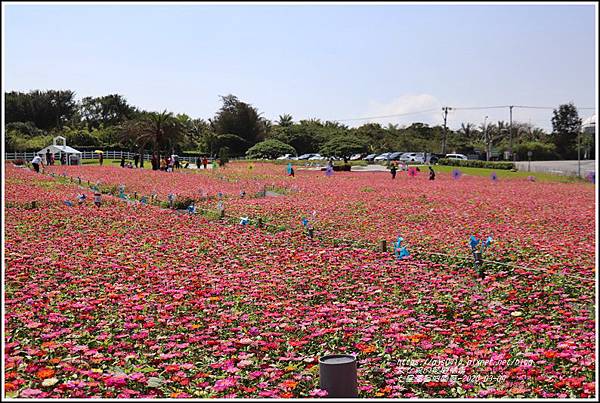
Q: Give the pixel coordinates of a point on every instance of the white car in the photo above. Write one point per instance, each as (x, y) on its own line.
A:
(456, 157)
(285, 157)
(356, 157)
(413, 157)
(316, 157)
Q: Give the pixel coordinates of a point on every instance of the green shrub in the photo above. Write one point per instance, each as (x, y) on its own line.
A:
(270, 149)
(476, 164)
(541, 151)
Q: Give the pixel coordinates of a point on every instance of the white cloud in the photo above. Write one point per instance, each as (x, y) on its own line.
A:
(410, 104)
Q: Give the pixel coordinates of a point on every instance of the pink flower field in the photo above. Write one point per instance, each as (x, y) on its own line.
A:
(137, 301)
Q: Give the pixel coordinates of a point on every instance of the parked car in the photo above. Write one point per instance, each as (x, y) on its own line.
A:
(433, 158)
(413, 157)
(356, 157)
(316, 157)
(370, 157)
(285, 157)
(382, 157)
(305, 156)
(456, 156)
(395, 156)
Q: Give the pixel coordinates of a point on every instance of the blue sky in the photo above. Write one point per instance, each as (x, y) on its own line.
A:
(325, 61)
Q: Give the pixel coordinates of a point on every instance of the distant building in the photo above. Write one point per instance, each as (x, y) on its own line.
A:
(589, 125)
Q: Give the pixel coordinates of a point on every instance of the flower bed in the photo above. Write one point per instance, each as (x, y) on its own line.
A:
(135, 301)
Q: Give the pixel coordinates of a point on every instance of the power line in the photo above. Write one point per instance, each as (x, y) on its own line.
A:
(387, 116)
(542, 107)
(480, 107)
(460, 108)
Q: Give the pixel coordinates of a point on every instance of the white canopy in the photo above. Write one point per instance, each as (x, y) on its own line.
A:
(61, 149)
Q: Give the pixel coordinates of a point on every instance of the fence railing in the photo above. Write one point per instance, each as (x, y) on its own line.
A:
(562, 171)
(89, 155)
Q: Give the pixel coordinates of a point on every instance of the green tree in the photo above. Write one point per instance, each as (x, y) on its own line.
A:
(239, 118)
(107, 110)
(81, 136)
(270, 149)
(566, 125)
(46, 109)
(343, 146)
(235, 144)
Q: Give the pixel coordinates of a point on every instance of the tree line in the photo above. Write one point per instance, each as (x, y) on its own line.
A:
(238, 129)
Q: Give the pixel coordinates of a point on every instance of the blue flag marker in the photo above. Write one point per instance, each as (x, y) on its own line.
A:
(191, 209)
(244, 221)
(473, 242)
(485, 244)
(399, 250)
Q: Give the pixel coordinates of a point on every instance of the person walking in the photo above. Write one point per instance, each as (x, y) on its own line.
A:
(101, 158)
(431, 174)
(63, 159)
(48, 157)
(393, 171)
(136, 160)
(205, 162)
(36, 162)
(163, 164)
(122, 162)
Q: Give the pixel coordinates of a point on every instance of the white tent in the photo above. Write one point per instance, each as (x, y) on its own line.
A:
(73, 155)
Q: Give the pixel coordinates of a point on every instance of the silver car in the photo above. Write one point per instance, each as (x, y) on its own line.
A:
(382, 157)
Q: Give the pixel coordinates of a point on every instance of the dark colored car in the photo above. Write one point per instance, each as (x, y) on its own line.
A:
(370, 157)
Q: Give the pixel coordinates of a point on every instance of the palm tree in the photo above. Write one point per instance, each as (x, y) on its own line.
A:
(467, 129)
(162, 130)
(285, 120)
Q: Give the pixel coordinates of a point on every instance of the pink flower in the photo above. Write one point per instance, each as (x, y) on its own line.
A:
(318, 393)
(30, 393)
(224, 384)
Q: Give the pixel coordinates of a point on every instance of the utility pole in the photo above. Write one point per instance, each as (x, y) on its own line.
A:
(445, 109)
(487, 140)
(510, 128)
(579, 153)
